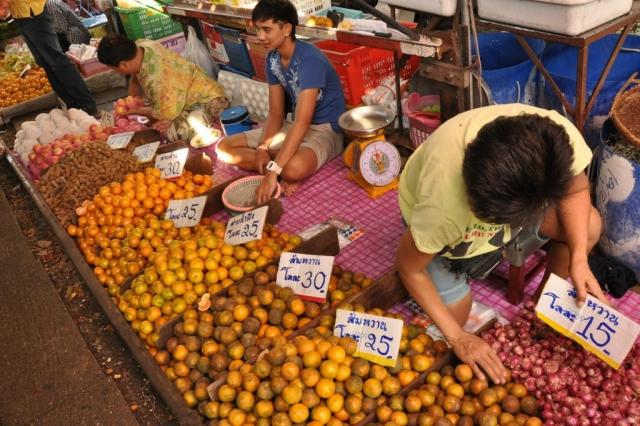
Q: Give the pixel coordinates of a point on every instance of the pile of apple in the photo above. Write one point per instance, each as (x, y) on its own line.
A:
(4, 9)
(42, 142)
(123, 106)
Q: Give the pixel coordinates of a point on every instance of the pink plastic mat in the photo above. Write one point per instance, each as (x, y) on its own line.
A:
(329, 194)
(492, 293)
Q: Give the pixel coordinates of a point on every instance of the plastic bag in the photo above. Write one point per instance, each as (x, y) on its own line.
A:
(197, 53)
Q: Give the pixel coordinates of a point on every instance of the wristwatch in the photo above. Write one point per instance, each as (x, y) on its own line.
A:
(272, 166)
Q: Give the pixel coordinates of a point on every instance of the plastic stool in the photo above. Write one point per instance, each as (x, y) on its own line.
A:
(516, 252)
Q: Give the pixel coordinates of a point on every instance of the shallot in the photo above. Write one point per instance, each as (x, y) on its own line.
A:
(572, 386)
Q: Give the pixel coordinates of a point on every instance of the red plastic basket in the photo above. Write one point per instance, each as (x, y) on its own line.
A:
(361, 68)
(258, 55)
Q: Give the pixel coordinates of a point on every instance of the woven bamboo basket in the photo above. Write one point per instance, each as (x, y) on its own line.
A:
(626, 101)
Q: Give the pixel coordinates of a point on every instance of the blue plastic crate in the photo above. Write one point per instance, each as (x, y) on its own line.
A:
(236, 49)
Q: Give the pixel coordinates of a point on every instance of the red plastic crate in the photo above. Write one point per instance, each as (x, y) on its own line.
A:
(353, 66)
(361, 68)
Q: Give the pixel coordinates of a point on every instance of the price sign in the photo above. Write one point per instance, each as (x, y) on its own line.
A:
(246, 227)
(186, 212)
(378, 337)
(171, 164)
(121, 140)
(308, 275)
(598, 328)
(145, 153)
(107, 119)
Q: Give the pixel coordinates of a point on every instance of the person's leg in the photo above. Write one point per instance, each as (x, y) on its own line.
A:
(62, 74)
(453, 289)
(240, 149)
(558, 256)
(319, 145)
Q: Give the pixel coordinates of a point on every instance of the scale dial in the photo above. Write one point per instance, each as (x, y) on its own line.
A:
(379, 163)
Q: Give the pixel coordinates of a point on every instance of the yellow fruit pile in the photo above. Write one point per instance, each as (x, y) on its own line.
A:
(455, 397)
(16, 90)
(345, 284)
(120, 227)
(181, 271)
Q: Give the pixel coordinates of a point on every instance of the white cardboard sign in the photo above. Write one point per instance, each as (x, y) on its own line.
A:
(598, 328)
(187, 212)
(145, 153)
(308, 275)
(246, 227)
(378, 337)
(171, 164)
(120, 140)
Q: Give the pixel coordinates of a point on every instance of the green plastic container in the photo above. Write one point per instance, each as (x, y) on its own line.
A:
(140, 22)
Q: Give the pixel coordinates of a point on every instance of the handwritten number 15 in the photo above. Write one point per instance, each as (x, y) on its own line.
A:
(603, 330)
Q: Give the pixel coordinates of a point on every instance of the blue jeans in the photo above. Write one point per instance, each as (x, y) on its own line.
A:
(62, 74)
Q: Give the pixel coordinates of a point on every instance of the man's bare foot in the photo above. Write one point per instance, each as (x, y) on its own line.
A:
(289, 188)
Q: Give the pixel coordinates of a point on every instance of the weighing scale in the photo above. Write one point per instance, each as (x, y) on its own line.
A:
(374, 162)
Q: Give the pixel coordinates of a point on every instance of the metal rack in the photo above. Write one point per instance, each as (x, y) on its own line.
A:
(579, 111)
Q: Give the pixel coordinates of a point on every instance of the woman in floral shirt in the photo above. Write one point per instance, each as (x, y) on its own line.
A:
(176, 88)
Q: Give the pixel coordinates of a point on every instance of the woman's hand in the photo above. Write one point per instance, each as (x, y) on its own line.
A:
(477, 353)
(162, 126)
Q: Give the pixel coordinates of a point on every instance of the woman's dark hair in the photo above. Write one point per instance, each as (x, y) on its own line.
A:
(280, 11)
(516, 168)
(115, 48)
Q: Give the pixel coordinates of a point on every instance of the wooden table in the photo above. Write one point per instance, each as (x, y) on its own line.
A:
(579, 111)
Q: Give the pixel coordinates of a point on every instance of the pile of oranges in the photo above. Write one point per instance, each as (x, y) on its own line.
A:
(182, 270)
(453, 396)
(16, 90)
(218, 342)
(120, 228)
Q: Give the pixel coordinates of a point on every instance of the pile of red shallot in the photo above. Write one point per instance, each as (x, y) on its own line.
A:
(573, 387)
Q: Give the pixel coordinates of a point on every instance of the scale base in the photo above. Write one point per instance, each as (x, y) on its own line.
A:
(372, 191)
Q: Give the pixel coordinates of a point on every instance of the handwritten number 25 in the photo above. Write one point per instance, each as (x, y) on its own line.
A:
(383, 346)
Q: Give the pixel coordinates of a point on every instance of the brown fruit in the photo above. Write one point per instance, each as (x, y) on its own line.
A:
(488, 397)
(310, 398)
(264, 391)
(368, 405)
(251, 325)
(360, 367)
(510, 404)
(529, 405)
(465, 421)
(354, 384)
(442, 421)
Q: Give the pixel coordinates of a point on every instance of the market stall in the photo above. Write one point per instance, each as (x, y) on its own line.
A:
(292, 312)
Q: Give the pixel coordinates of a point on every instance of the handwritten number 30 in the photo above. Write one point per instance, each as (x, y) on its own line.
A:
(318, 284)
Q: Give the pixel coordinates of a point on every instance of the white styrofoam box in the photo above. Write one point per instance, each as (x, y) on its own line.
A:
(568, 17)
(255, 96)
(244, 91)
(437, 7)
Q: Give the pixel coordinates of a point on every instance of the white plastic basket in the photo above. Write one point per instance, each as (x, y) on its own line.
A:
(311, 7)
